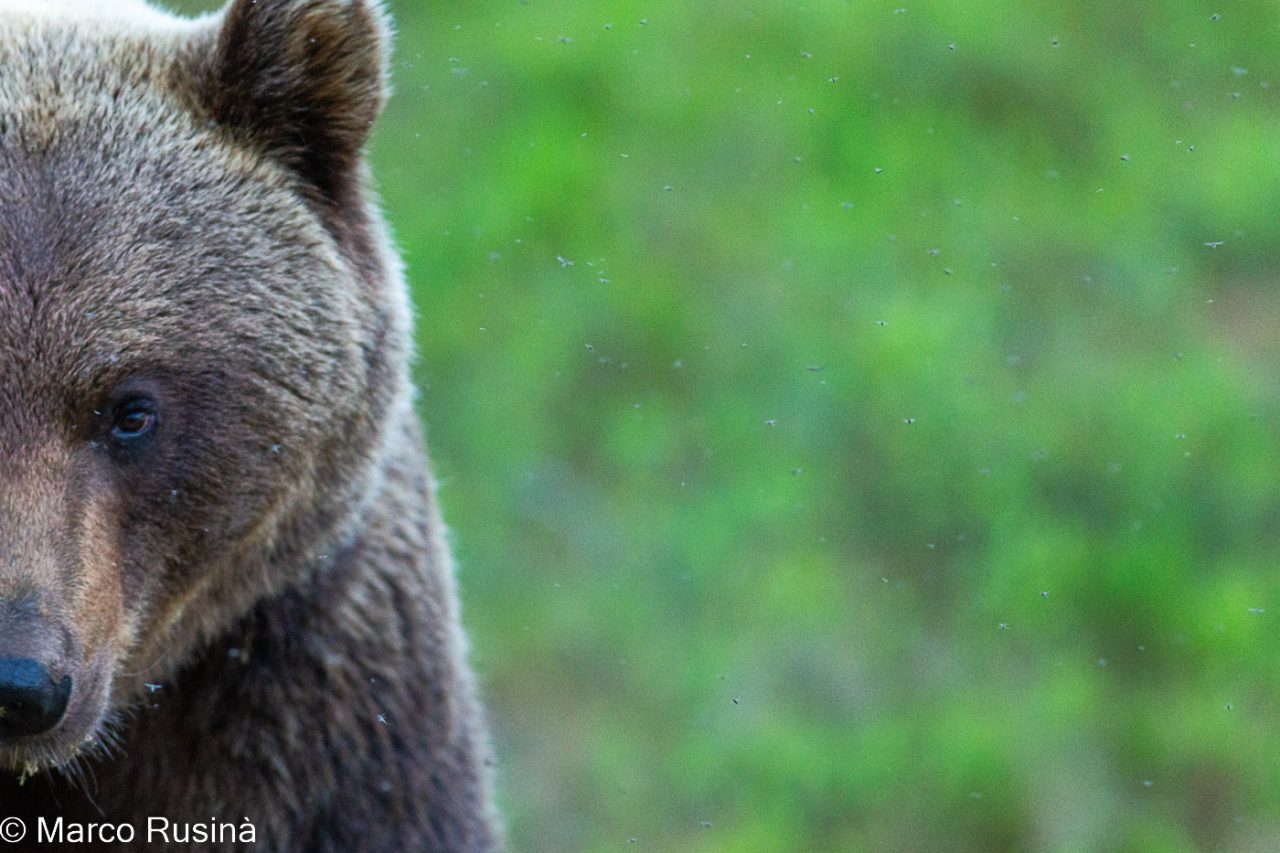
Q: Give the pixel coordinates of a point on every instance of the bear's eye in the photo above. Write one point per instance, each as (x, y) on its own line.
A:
(134, 419)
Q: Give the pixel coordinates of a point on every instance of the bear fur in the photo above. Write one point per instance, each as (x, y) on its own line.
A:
(251, 593)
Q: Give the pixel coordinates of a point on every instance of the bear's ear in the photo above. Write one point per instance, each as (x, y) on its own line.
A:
(302, 79)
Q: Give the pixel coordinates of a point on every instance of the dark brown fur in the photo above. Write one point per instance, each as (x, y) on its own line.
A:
(257, 609)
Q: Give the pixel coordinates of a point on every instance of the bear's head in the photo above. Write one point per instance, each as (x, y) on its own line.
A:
(203, 335)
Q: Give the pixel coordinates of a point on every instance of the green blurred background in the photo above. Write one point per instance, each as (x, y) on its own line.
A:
(859, 421)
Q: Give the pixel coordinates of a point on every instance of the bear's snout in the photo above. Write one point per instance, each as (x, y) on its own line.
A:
(51, 695)
(31, 701)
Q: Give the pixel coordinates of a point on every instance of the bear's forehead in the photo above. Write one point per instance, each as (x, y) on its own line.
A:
(136, 12)
(59, 70)
(128, 227)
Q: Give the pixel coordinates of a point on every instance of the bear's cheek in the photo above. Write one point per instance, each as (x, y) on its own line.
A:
(100, 623)
(100, 620)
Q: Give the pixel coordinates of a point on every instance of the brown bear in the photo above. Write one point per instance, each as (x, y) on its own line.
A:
(227, 612)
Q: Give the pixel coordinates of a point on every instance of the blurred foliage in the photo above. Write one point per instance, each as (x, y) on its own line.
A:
(859, 424)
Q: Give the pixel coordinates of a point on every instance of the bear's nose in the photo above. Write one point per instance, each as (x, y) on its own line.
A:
(31, 702)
